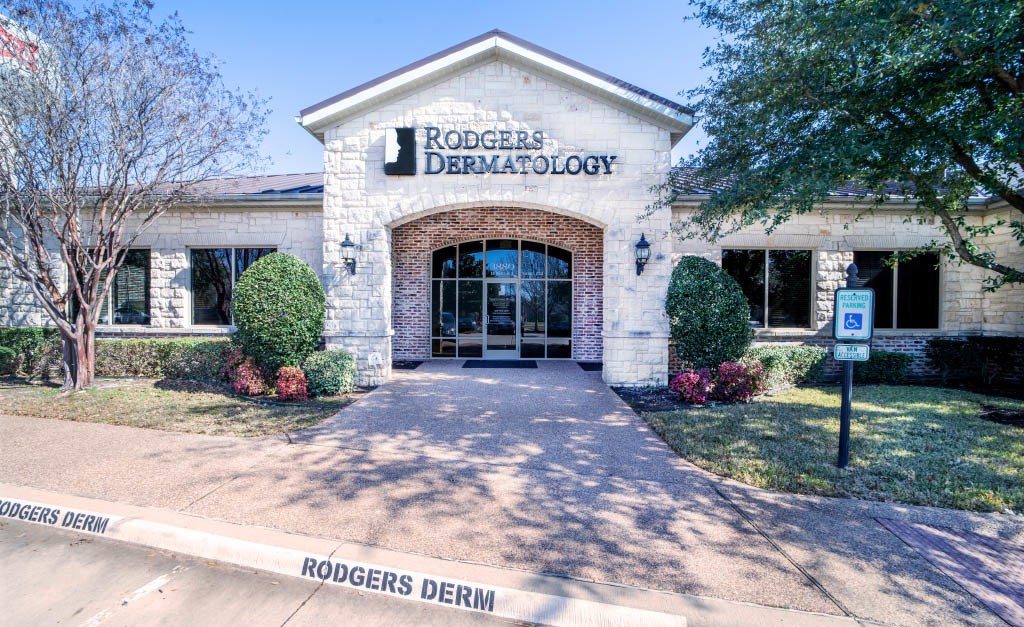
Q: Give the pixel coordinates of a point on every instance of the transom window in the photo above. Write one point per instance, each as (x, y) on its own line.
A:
(214, 272)
(777, 284)
(907, 294)
(501, 297)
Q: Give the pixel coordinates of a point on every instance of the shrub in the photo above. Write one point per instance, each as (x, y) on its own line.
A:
(693, 386)
(244, 375)
(883, 367)
(708, 314)
(950, 357)
(8, 361)
(291, 384)
(789, 365)
(185, 358)
(330, 373)
(34, 348)
(737, 381)
(279, 308)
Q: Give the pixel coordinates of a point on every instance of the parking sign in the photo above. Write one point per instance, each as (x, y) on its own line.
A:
(854, 313)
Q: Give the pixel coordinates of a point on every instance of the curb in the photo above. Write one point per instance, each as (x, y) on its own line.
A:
(511, 594)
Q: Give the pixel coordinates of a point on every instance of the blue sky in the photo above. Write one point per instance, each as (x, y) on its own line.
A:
(299, 53)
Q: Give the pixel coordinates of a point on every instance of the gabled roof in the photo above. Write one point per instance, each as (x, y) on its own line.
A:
(486, 47)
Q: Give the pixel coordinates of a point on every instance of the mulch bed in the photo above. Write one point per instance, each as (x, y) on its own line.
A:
(650, 398)
(1012, 417)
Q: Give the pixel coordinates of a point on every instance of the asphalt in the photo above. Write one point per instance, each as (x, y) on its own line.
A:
(544, 470)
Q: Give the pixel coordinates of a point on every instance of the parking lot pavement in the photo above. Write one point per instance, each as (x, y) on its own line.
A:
(57, 577)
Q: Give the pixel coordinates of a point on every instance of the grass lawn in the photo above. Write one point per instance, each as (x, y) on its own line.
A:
(166, 405)
(910, 444)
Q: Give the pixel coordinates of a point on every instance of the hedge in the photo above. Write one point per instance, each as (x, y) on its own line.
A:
(279, 308)
(785, 366)
(33, 348)
(883, 367)
(977, 360)
(708, 314)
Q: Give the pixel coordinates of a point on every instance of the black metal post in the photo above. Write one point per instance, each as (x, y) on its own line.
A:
(844, 408)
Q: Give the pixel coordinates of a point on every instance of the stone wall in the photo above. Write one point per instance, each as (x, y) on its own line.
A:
(362, 201)
(296, 230)
(414, 242)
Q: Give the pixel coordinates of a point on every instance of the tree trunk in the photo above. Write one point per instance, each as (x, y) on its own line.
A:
(79, 352)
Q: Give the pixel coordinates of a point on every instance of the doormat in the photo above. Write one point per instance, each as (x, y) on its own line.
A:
(589, 366)
(405, 364)
(499, 363)
(990, 569)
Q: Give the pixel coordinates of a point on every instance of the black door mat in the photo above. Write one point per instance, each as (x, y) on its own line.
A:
(589, 366)
(405, 364)
(499, 363)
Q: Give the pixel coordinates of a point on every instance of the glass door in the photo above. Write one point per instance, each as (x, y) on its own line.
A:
(501, 327)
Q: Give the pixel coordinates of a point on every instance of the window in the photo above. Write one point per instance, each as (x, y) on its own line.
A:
(128, 297)
(214, 272)
(906, 295)
(777, 284)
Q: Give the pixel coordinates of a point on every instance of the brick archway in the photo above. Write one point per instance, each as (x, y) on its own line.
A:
(414, 242)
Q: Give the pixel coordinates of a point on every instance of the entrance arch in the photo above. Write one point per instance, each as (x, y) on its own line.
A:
(501, 299)
(571, 331)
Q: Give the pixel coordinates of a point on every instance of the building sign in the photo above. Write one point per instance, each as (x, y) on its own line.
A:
(16, 49)
(492, 151)
(851, 352)
(854, 312)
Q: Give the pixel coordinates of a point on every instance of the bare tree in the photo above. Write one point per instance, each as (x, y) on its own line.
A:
(108, 118)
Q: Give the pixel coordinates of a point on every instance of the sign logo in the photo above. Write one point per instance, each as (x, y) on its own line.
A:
(399, 151)
(854, 321)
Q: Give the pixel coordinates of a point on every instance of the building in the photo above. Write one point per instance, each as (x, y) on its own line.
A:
(484, 202)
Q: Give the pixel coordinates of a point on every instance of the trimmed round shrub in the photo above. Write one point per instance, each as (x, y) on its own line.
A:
(330, 373)
(738, 381)
(708, 314)
(692, 386)
(279, 309)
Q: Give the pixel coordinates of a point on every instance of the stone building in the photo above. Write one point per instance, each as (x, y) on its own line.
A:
(485, 202)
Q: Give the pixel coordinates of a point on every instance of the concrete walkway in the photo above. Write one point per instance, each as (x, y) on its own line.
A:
(544, 470)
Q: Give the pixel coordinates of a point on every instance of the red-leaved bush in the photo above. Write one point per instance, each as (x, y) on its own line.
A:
(243, 374)
(738, 381)
(291, 384)
(692, 386)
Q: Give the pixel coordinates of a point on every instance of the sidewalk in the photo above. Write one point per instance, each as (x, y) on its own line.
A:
(674, 528)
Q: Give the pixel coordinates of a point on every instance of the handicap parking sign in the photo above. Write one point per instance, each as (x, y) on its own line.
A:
(854, 310)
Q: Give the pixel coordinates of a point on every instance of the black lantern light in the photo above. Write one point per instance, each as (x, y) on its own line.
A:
(348, 254)
(643, 253)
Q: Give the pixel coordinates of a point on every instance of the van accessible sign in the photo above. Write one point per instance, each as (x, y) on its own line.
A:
(855, 309)
(491, 151)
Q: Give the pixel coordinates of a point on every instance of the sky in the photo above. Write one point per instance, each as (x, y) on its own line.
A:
(299, 54)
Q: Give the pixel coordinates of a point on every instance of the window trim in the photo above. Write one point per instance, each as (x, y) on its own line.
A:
(812, 283)
(191, 280)
(894, 329)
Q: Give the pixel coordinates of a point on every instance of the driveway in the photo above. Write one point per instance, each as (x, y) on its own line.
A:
(540, 469)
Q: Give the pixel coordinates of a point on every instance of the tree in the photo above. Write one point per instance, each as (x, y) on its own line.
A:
(809, 95)
(109, 118)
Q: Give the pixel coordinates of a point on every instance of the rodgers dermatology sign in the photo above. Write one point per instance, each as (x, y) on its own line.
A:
(492, 151)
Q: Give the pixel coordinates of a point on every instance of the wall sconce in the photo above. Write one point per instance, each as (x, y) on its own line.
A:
(643, 254)
(348, 254)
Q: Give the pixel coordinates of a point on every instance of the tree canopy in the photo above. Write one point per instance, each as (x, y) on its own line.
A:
(808, 95)
(108, 117)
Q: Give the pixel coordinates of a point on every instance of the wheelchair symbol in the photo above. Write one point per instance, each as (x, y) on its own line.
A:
(853, 321)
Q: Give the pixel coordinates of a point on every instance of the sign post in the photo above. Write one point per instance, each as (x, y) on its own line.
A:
(854, 321)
